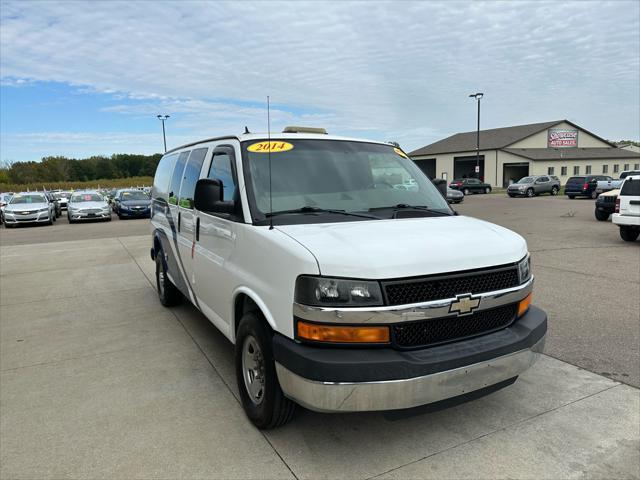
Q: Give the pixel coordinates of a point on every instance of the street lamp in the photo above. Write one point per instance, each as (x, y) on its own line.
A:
(477, 96)
(162, 118)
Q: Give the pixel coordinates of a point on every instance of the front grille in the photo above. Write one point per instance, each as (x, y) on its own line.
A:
(401, 292)
(447, 329)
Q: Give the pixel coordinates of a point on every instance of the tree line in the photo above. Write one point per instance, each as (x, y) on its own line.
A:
(63, 169)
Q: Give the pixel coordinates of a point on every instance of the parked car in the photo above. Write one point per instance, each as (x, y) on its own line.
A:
(54, 202)
(606, 185)
(88, 205)
(606, 205)
(132, 204)
(63, 199)
(627, 213)
(583, 186)
(28, 207)
(454, 196)
(534, 185)
(470, 185)
(339, 294)
(4, 199)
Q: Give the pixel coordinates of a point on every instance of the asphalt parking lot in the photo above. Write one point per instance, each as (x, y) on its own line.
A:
(98, 380)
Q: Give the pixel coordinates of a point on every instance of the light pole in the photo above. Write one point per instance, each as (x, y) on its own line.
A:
(477, 96)
(162, 118)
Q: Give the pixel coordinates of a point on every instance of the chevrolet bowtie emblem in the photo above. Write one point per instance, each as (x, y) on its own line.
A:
(464, 304)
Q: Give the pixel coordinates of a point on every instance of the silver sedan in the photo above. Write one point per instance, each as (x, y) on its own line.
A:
(28, 207)
(88, 205)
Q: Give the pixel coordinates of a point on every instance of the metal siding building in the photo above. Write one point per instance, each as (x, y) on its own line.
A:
(559, 148)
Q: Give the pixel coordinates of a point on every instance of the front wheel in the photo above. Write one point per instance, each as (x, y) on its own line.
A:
(530, 192)
(465, 191)
(601, 216)
(629, 234)
(262, 398)
(594, 195)
(554, 191)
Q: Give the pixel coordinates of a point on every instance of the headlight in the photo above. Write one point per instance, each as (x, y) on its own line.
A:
(524, 269)
(337, 292)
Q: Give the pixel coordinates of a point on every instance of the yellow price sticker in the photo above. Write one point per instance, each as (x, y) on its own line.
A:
(400, 152)
(274, 147)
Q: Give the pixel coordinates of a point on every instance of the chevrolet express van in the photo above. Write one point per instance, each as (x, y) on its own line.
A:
(340, 291)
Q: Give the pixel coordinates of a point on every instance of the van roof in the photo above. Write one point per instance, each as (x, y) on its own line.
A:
(278, 136)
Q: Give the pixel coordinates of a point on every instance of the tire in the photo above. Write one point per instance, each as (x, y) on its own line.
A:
(511, 195)
(601, 216)
(530, 192)
(629, 234)
(594, 195)
(487, 190)
(265, 405)
(168, 293)
(571, 197)
(554, 190)
(50, 221)
(465, 192)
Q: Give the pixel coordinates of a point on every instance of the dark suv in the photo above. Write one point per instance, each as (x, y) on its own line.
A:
(470, 185)
(583, 186)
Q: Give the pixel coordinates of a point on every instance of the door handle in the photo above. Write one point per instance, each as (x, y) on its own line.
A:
(179, 217)
(197, 229)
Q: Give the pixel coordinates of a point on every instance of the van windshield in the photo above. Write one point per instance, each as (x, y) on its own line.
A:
(348, 176)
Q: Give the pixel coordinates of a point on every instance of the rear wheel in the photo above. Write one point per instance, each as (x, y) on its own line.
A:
(601, 216)
(629, 234)
(168, 293)
(554, 190)
(262, 398)
(530, 192)
(487, 190)
(571, 197)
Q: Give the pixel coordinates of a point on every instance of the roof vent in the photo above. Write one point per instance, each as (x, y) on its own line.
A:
(321, 131)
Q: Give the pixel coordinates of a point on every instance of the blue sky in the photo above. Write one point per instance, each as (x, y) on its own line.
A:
(81, 79)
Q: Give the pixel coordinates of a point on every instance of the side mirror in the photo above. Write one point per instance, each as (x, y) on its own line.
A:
(441, 185)
(208, 197)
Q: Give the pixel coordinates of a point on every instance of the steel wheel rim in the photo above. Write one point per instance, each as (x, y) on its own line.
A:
(161, 279)
(253, 370)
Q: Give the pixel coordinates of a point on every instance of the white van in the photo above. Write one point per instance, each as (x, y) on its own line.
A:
(340, 292)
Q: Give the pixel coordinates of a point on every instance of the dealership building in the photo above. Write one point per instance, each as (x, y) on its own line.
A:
(559, 148)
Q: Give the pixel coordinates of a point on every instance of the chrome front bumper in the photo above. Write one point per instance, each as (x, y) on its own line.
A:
(405, 393)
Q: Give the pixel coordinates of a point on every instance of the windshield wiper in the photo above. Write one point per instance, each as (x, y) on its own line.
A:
(308, 209)
(406, 206)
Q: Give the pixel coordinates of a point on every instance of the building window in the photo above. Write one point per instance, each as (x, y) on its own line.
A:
(636, 166)
(587, 169)
(550, 171)
(576, 170)
(605, 168)
(563, 171)
(616, 168)
(626, 167)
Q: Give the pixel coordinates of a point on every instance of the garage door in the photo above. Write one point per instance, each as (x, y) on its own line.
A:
(465, 167)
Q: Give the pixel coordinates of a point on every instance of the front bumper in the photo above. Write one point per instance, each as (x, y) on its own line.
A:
(15, 219)
(353, 380)
(135, 213)
(89, 215)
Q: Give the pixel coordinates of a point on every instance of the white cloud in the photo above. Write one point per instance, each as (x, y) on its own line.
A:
(400, 70)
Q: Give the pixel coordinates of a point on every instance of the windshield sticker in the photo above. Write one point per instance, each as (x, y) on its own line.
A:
(400, 152)
(273, 146)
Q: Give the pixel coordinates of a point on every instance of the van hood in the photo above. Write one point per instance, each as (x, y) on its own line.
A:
(383, 249)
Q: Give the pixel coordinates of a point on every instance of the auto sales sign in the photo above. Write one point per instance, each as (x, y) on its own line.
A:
(562, 138)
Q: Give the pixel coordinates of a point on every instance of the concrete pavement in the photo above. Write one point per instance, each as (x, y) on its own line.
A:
(98, 380)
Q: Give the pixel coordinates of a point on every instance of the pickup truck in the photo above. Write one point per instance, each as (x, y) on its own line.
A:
(607, 185)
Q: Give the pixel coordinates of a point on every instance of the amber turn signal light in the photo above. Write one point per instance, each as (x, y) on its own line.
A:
(524, 305)
(342, 334)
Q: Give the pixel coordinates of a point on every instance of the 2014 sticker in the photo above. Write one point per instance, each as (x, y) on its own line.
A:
(400, 152)
(274, 147)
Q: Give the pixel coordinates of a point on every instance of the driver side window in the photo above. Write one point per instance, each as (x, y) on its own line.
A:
(222, 169)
